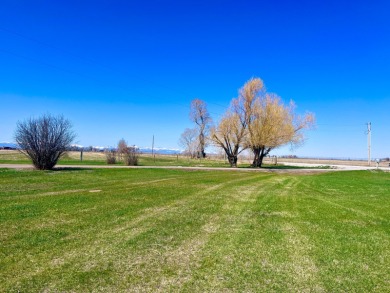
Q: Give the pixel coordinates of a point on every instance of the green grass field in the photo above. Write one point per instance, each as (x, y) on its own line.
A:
(156, 230)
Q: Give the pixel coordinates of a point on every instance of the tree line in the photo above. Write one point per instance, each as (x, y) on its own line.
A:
(255, 120)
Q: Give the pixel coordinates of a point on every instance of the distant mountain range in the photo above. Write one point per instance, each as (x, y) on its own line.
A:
(8, 145)
(163, 151)
(145, 150)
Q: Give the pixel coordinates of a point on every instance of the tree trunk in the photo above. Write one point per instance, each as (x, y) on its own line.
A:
(232, 160)
(202, 153)
(259, 154)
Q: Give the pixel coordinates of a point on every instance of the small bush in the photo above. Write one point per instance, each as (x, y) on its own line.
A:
(130, 156)
(110, 157)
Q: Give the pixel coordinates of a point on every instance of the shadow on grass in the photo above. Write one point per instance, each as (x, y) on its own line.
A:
(69, 169)
(284, 167)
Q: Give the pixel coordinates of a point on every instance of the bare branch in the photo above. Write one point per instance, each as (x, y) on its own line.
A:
(201, 117)
(44, 140)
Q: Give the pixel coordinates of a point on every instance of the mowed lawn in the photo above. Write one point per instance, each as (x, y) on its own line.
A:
(157, 230)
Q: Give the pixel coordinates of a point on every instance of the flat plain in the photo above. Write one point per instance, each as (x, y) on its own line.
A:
(158, 230)
(99, 159)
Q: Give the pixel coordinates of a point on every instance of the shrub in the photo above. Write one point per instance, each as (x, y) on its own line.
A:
(44, 140)
(130, 156)
(110, 156)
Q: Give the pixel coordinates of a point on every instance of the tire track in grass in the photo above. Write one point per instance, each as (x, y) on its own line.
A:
(187, 258)
(289, 260)
(86, 188)
(353, 210)
(154, 212)
(285, 185)
(288, 265)
(52, 221)
(362, 236)
(219, 264)
(301, 267)
(106, 245)
(250, 259)
(184, 259)
(323, 195)
(59, 261)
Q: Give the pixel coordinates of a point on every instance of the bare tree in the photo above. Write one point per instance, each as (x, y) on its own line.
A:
(189, 141)
(121, 148)
(201, 117)
(44, 140)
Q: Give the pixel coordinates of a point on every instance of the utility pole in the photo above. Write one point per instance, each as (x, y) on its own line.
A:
(153, 156)
(153, 146)
(369, 142)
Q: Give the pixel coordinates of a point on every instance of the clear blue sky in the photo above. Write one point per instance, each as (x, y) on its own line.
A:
(129, 69)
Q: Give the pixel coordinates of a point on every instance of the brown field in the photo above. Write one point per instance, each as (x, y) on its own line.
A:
(329, 162)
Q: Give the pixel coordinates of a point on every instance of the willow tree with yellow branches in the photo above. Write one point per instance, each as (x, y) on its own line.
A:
(229, 135)
(273, 125)
(231, 132)
(259, 121)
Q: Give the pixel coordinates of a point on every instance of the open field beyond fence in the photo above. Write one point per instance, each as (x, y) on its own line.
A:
(98, 158)
(159, 230)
